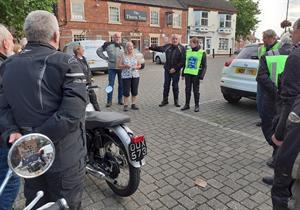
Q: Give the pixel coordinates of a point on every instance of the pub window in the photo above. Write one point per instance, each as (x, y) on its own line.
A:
(176, 20)
(114, 14)
(77, 10)
(225, 21)
(154, 18)
(78, 37)
(154, 41)
(201, 18)
(223, 44)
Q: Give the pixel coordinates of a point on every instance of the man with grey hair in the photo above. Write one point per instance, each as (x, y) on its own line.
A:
(263, 105)
(43, 91)
(268, 78)
(287, 132)
(11, 190)
(114, 50)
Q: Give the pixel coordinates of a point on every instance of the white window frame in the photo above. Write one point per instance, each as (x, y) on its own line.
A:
(157, 10)
(79, 2)
(117, 6)
(222, 45)
(155, 36)
(175, 14)
(200, 18)
(225, 20)
(79, 33)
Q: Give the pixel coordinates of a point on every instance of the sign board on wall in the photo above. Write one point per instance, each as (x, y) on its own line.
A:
(135, 15)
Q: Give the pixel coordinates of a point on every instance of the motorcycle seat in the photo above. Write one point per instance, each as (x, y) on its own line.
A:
(104, 119)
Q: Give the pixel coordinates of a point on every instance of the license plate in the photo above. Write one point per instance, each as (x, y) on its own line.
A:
(137, 151)
(251, 72)
(240, 70)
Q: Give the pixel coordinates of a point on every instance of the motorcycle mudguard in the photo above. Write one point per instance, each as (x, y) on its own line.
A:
(122, 132)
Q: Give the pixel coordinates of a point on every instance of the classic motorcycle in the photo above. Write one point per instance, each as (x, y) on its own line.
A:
(29, 157)
(114, 152)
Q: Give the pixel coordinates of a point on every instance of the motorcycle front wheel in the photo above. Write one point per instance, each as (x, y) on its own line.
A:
(127, 177)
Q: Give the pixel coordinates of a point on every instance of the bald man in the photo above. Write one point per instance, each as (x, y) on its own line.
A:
(175, 58)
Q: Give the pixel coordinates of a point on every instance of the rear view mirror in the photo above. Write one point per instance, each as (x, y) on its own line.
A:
(31, 155)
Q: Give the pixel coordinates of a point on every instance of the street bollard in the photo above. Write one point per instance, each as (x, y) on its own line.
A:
(230, 52)
(213, 53)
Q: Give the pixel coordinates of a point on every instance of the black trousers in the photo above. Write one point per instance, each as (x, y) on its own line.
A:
(67, 184)
(268, 112)
(93, 99)
(175, 80)
(192, 81)
(285, 159)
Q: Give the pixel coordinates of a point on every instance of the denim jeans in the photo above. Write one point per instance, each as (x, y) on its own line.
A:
(12, 188)
(111, 81)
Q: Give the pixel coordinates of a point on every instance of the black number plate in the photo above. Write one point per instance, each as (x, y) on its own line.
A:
(137, 151)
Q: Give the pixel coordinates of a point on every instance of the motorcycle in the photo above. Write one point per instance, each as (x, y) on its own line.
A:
(29, 157)
(115, 154)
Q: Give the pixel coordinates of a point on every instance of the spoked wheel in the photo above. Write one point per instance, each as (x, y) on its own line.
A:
(119, 169)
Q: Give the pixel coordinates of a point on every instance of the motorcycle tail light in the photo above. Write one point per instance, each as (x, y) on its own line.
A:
(137, 139)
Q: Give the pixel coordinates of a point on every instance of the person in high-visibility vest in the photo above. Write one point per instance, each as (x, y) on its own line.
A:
(270, 70)
(194, 70)
(287, 132)
(270, 43)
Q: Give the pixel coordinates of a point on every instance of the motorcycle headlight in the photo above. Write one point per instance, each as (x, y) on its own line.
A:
(294, 118)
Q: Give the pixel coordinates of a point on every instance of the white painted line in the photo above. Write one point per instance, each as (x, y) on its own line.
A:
(174, 110)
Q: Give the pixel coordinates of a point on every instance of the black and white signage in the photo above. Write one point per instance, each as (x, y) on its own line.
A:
(135, 15)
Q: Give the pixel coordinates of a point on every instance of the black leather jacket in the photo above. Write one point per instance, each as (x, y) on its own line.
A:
(43, 90)
(175, 56)
(290, 91)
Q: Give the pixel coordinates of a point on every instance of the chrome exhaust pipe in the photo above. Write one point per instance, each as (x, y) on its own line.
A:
(99, 174)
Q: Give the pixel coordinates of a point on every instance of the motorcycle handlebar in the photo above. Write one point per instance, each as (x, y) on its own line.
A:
(92, 87)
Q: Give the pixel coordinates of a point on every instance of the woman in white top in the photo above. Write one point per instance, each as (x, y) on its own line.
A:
(130, 66)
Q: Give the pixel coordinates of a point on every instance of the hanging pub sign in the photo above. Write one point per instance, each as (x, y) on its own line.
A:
(135, 15)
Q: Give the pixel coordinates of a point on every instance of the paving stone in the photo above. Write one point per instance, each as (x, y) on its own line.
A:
(168, 201)
(187, 202)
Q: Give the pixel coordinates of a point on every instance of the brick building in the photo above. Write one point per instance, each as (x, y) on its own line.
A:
(144, 22)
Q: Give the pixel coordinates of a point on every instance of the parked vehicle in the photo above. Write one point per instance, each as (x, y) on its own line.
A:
(90, 47)
(115, 154)
(239, 75)
(160, 57)
(140, 58)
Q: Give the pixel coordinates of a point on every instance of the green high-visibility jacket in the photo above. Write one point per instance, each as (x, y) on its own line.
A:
(276, 64)
(193, 61)
(262, 50)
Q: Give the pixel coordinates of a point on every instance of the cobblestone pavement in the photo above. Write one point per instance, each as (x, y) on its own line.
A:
(220, 145)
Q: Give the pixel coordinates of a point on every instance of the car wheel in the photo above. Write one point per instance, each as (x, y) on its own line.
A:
(157, 60)
(232, 99)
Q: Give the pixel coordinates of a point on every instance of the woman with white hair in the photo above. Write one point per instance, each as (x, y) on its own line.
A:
(129, 65)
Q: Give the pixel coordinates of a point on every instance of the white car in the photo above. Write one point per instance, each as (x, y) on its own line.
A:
(90, 47)
(140, 57)
(239, 75)
(160, 57)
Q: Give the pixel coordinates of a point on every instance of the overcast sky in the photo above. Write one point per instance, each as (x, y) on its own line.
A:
(273, 12)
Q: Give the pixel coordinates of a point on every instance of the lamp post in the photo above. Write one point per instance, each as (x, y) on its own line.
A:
(287, 12)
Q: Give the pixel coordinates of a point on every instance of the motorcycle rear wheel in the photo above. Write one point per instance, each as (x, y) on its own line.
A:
(116, 149)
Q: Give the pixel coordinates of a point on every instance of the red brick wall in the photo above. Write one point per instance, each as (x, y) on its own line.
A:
(96, 22)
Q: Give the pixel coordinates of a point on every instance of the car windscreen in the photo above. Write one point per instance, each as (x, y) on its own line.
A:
(250, 52)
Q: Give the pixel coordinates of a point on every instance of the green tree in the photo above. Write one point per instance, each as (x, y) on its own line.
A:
(13, 12)
(246, 17)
